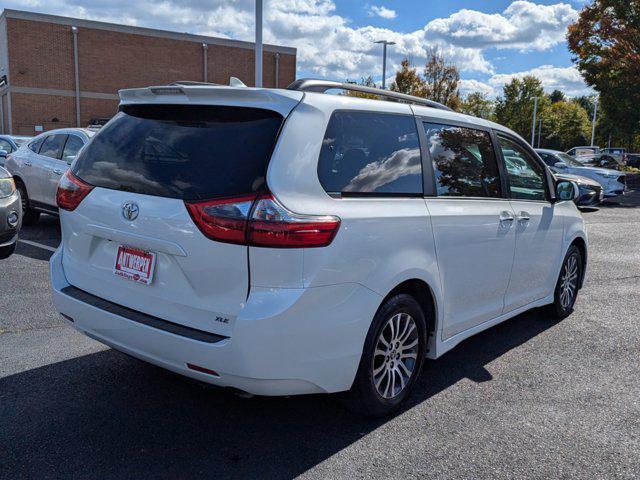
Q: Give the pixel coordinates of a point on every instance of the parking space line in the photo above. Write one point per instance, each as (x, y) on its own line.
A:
(36, 244)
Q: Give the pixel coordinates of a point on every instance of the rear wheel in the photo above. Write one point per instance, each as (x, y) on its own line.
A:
(568, 284)
(29, 215)
(392, 357)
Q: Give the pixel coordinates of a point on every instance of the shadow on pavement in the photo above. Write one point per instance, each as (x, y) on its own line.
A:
(106, 415)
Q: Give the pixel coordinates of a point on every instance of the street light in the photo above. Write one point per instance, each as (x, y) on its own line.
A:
(533, 125)
(384, 60)
(258, 47)
(593, 123)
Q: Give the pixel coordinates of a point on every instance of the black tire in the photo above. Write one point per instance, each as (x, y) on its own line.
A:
(560, 308)
(364, 398)
(7, 251)
(29, 215)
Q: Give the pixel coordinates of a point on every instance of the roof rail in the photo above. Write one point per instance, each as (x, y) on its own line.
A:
(187, 83)
(321, 86)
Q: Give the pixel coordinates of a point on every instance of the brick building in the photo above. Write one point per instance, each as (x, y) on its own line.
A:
(61, 72)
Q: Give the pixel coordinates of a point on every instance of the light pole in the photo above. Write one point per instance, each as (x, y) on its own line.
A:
(593, 123)
(258, 43)
(539, 132)
(533, 125)
(384, 60)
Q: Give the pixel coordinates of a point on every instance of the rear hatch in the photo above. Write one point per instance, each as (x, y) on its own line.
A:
(145, 166)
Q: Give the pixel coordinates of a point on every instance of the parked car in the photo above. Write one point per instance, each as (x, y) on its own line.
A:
(38, 166)
(10, 214)
(9, 144)
(284, 242)
(613, 182)
(594, 157)
(617, 153)
(633, 160)
(591, 193)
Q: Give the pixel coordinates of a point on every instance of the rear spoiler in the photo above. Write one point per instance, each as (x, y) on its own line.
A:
(281, 101)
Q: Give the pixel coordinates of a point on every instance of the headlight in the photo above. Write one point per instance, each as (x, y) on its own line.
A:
(610, 175)
(7, 187)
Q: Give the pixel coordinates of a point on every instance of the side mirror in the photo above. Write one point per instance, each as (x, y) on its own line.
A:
(561, 165)
(3, 154)
(566, 191)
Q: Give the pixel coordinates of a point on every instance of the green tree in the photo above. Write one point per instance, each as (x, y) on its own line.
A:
(442, 80)
(408, 81)
(605, 42)
(567, 121)
(514, 108)
(557, 96)
(478, 105)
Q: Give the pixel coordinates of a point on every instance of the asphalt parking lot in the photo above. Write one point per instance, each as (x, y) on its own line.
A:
(529, 398)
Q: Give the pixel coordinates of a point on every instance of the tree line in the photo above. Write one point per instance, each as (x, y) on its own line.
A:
(605, 41)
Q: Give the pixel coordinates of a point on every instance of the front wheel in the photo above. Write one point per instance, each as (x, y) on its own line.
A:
(29, 215)
(568, 284)
(391, 359)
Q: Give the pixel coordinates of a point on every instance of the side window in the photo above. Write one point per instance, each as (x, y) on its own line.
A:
(526, 176)
(464, 161)
(71, 148)
(6, 146)
(53, 145)
(548, 159)
(36, 144)
(371, 153)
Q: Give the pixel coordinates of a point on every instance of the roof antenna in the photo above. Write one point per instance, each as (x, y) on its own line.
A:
(236, 82)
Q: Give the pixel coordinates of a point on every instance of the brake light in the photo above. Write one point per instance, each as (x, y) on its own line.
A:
(272, 225)
(223, 219)
(260, 221)
(71, 191)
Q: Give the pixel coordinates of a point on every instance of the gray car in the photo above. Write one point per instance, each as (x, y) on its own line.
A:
(613, 182)
(10, 214)
(9, 144)
(38, 166)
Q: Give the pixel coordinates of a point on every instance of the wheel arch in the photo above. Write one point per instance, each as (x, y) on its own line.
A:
(424, 295)
(581, 244)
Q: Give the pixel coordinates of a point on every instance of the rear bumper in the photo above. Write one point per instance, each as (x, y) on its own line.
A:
(284, 342)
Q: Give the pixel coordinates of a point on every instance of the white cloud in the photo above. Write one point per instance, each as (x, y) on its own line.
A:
(567, 79)
(329, 44)
(382, 11)
(470, 86)
(523, 25)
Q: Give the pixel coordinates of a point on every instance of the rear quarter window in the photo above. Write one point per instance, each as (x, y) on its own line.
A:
(190, 152)
(371, 153)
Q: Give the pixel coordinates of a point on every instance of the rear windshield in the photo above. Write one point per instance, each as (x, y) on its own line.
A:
(182, 151)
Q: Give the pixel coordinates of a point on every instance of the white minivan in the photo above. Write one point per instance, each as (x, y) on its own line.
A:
(283, 242)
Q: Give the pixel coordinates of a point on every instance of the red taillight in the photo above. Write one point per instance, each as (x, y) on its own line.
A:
(272, 225)
(223, 219)
(262, 222)
(71, 191)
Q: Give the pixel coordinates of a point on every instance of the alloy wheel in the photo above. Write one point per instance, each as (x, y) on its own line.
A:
(569, 282)
(396, 355)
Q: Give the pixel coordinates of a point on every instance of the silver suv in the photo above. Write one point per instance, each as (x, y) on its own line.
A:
(38, 166)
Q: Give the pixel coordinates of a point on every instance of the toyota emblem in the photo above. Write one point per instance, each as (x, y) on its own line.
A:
(130, 211)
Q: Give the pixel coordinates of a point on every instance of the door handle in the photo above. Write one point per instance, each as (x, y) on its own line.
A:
(523, 217)
(506, 217)
(28, 164)
(57, 171)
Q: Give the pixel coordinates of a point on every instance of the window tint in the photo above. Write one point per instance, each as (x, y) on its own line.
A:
(52, 146)
(463, 160)
(6, 146)
(36, 144)
(189, 152)
(371, 153)
(526, 176)
(548, 159)
(71, 148)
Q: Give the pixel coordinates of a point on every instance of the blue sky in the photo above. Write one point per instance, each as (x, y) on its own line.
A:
(490, 41)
